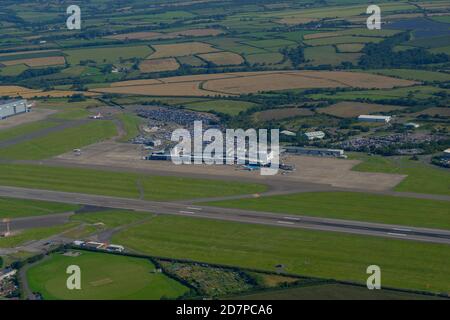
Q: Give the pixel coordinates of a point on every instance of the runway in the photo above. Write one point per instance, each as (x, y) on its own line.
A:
(235, 215)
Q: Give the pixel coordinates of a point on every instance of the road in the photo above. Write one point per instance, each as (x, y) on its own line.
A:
(236, 215)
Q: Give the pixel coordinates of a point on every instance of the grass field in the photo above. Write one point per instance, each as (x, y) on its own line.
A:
(24, 129)
(327, 55)
(34, 234)
(120, 184)
(421, 178)
(181, 49)
(419, 75)
(311, 253)
(158, 65)
(57, 143)
(110, 218)
(231, 107)
(131, 124)
(222, 58)
(15, 208)
(348, 109)
(331, 292)
(352, 206)
(103, 276)
(106, 54)
(282, 113)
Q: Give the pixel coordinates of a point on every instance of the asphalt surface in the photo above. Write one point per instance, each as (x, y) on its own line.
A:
(236, 215)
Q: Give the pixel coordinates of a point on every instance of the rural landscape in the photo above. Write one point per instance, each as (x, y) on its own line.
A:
(88, 115)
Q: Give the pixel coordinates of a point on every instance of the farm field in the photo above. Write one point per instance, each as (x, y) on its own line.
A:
(36, 62)
(309, 253)
(282, 113)
(105, 54)
(231, 107)
(252, 82)
(222, 58)
(348, 109)
(418, 75)
(158, 65)
(120, 184)
(181, 49)
(15, 208)
(352, 206)
(105, 276)
(323, 55)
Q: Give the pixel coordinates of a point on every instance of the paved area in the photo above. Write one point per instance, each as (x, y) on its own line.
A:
(244, 216)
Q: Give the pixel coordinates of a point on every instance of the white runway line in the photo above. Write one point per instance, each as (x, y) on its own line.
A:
(285, 222)
(290, 218)
(397, 234)
(193, 208)
(404, 230)
(188, 212)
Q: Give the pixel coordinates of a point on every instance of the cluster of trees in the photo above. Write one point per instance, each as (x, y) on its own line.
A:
(382, 55)
(295, 55)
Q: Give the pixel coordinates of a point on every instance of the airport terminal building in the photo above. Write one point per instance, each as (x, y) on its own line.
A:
(9, 108)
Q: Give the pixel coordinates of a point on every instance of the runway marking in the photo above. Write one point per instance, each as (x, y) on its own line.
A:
(193, 208)
(397, 234)
(285, 222)
(400, 229)
(188, 212)
(290, 218)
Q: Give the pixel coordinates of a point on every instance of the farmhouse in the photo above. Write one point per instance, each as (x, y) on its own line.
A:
(368, 118)
(315, 135)
(9, 108)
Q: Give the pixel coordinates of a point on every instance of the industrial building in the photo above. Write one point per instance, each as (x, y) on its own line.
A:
(316, 152)
(315, 135)
(369, 118)
(9, 108)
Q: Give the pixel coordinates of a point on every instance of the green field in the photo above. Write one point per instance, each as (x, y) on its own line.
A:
(230, 107)
(352, 206)
(106, 54)
(130, 124)
(422, 178)
(103, 277)
(21, 130)
(120, 184)
(18, 208)
(331, 292)
(57, 143)
(110, 218)
(311, 253)
(34, 234)
(410, 74)
(327, 55)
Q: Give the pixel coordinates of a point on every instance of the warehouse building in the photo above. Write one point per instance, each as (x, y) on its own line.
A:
(9, 108)
(368, 118)
(315, 135)
(315, 152)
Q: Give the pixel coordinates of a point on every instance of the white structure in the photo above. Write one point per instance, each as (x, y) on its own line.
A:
(7, 274)
(368, 118)
(412, 125)
(315, 152)
(288, 133)
(115, 248)
(315, 135)
(9, 108)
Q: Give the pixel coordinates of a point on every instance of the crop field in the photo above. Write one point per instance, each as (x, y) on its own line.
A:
(418, 75)
(252, 82)
(341, 40)
(181, 49)
(105, 276)
(364, 207)
(15, 208)
(347, 109)
(265, 58)
(436, 111)
(222, 58)
(158, 65)
(36, 62)
(310, 253)
(120, 184)
(231, 107)
(105, 54)
(322, 55)
(350, 47)
(282, 113)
